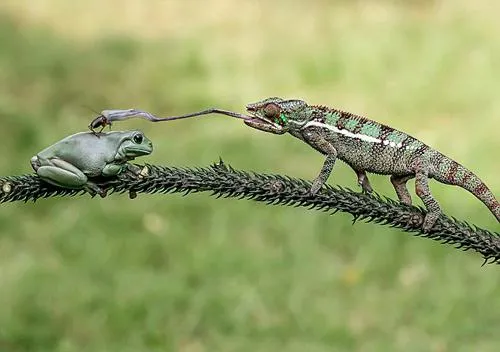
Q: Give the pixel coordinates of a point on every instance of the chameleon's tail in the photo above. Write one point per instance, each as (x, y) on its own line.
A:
(451, 172)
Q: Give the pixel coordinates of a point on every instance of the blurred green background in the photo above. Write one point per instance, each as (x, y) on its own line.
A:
(194, 274)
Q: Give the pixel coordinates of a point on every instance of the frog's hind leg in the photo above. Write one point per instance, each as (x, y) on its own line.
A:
(61, 173)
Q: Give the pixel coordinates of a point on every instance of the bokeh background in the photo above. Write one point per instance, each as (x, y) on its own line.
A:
(194, 274)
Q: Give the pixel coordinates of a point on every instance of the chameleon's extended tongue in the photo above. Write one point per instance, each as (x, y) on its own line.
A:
(107, 117)
(203, 112)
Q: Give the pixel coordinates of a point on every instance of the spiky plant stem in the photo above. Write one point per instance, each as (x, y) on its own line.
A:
(224, 181)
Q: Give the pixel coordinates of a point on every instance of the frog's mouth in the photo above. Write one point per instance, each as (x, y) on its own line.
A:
(135, 152)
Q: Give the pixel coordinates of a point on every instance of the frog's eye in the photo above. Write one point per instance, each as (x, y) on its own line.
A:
(271, 111)
(138, 138)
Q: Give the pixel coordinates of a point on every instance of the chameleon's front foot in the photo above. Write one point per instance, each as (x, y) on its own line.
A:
(366, 189)
(316, 186)
(429, 221)
(326, 170)
(363, 182)
(423, 192)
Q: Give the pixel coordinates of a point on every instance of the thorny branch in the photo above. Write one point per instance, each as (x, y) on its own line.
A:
(224, 181)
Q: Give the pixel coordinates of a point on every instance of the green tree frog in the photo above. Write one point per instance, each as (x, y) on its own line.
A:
(70, 162)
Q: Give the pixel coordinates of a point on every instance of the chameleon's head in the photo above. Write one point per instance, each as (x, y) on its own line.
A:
(277, 115)
(134, 144)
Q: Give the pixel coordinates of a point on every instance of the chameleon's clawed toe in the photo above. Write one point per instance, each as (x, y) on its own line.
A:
(416, 220)
(316, 186)
(364, 182)
(426, 228)
(366, 189)
(405, 201)
(429, 222)
(276, 186)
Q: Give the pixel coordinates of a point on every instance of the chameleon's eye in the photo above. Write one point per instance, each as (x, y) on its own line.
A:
(138, 138)
(271, 111)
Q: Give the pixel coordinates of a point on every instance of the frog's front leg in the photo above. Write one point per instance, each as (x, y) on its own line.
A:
(122, 169)
(125, 169)
(63, 174)
(112, 169)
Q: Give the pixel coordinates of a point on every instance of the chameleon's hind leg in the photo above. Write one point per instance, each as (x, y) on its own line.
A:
(363, 181)
(423, 191)
(399, 183)
(319, 143)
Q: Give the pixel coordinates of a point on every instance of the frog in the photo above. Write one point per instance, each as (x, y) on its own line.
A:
(74, 160)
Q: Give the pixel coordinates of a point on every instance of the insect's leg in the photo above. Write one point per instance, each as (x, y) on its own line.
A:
(399, 183)
(363, 181)
(318, 142)
(423, 191)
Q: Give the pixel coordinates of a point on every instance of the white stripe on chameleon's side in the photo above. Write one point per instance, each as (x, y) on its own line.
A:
(346, 133)
(360, 136)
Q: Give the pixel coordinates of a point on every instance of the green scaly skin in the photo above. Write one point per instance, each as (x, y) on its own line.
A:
(368, 146)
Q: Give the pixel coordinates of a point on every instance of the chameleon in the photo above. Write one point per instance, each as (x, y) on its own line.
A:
(368, 147)
(70, 162)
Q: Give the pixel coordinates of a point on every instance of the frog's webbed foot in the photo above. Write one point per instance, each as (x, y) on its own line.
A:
(136, 172)
(93, 189)
(133, 170)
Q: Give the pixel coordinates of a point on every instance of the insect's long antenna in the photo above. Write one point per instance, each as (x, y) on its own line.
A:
(91, 109)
